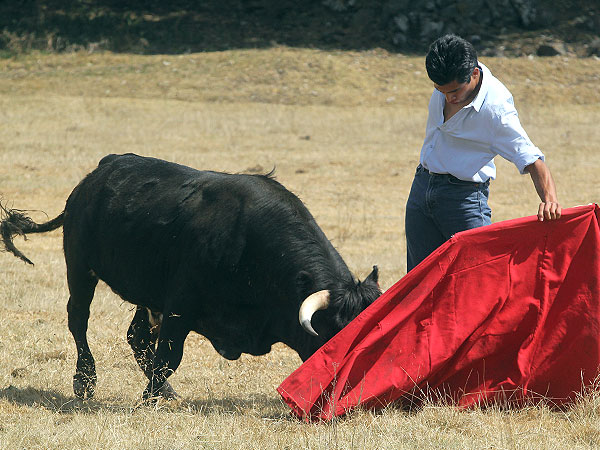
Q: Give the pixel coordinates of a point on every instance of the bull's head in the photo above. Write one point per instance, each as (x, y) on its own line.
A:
(345, 303)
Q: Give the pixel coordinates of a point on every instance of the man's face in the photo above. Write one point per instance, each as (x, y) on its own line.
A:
(460, 93)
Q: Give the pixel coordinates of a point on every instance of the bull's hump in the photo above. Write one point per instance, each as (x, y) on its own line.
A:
(109, 158)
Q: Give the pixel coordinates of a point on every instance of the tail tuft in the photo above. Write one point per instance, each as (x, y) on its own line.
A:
(14, 222)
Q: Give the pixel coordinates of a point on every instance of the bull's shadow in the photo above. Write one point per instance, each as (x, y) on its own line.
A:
(268, 407)
(50, 399)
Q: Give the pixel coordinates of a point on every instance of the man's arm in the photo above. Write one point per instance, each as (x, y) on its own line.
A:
(544, 185)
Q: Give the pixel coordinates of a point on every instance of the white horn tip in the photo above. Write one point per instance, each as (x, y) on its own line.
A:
(308, 327)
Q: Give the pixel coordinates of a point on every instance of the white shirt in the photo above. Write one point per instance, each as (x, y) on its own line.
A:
(466, 144)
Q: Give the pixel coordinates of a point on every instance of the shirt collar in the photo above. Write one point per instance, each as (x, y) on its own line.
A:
(483, 89)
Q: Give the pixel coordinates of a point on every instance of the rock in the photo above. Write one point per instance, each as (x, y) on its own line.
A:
(593, 48)
(339, 5)
(475, 39)
(496, 52)
(527, 11)
(552, 49)
(401, 22)
(393, 7)
(431, 30)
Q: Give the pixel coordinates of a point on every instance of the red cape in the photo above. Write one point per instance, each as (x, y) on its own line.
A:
(505, 312)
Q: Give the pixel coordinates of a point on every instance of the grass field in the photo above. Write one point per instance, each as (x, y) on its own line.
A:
(343, 131)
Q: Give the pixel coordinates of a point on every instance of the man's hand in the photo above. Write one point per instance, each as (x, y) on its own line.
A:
(549, 211)
(549, 208)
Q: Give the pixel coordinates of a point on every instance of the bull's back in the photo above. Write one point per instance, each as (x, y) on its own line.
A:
(147, 226)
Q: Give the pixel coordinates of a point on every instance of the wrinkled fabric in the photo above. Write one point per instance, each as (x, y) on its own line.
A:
(508, 312)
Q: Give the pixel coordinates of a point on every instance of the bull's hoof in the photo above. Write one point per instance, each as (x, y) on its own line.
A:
(84, 385)
(166, 392)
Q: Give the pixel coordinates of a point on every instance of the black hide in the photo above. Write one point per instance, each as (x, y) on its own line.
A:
(231, 257)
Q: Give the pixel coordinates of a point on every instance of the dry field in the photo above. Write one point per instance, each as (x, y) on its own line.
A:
(343, 131)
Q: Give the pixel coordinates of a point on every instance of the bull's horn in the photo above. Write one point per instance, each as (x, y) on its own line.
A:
(313, 303)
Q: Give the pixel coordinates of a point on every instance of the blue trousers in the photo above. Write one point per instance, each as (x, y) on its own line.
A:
(438, 206)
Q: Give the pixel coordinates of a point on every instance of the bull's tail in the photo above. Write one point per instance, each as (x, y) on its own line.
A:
(16, 222)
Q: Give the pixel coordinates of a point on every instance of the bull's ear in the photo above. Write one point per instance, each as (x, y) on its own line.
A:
(373, 276)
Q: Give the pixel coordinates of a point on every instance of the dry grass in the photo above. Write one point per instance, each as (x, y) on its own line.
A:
(344, 131)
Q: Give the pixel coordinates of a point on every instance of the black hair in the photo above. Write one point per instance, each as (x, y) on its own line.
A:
(450, 58)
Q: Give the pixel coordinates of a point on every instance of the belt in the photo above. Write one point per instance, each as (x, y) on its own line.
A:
(420, 168)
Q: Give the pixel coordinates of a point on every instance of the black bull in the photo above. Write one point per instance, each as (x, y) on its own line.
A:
(236, 258)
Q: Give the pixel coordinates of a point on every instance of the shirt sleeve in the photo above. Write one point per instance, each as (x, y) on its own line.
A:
(511, 141)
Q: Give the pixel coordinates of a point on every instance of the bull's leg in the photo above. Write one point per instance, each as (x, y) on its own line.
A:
(81, 287)
(173, 331)
(142, 336)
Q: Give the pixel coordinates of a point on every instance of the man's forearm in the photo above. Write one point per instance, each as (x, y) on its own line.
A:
(542, 179)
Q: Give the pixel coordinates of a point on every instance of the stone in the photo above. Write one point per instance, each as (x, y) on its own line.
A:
(431, 30)
(401, 22)
(594, 47)
(527, 11)
(338, 5)
(551, 49)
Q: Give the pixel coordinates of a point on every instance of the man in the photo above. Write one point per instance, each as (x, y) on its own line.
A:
(472, 119)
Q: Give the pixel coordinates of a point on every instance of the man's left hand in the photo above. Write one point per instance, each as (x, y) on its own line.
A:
(549, 211)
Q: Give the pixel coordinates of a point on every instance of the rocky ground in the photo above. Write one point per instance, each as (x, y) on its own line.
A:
(496, 27)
